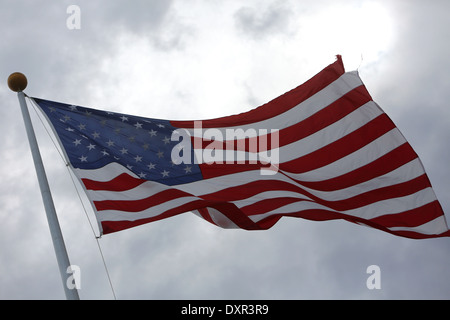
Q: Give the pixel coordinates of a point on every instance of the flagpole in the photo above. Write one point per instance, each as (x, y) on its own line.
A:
(17, 82)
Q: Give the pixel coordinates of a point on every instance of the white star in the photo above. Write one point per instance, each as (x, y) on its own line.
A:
(166, 140)
(73, 108)
(142, 175)
(82, 126)
(124, 151)
(110, 143)
(70, 129)
(138, 158)
(151, 166)
(105, 153)
(160, 154)
(138, 125)
(129, 167)
(152, 133)
(161, 126)
(96, 135)
(188, 169)
(77, 142)
(91, 146)
(83, 159)
(165, 173)
(124, 118)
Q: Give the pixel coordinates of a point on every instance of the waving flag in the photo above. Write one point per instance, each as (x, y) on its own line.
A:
(323, 151)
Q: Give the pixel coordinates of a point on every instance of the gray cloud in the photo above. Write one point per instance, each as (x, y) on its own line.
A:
(185, 257)
(260, 21)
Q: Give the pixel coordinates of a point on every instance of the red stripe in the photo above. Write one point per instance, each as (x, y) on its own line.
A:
(269, 222)
(250, 189)
(406, 234)
(317, 215)
(142, 204)
(360, 200)
(122, 182)
(340, 148)
(319, 158)
(253, 188)
(237, 216)
(217, 170)
(383, 165)
(324, 215)
(318, 121)
(411, 218)
(416, 235)
(278, 105)
(228, 209)
(205, 214)
(389, 192)
(267, 205)
(114, 226)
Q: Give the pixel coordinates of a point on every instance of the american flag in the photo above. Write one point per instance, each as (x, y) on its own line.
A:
(322, 151)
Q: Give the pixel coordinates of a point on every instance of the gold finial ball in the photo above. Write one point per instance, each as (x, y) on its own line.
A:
(17, 82)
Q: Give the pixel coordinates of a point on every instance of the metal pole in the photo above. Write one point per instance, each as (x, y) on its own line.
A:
(55, 230)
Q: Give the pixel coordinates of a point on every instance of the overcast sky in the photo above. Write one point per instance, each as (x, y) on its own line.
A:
(200, 59)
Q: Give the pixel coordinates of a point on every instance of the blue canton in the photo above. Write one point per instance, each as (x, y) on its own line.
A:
(94, 138)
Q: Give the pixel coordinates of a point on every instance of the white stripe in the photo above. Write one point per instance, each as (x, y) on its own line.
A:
(218, 218)
(384, 207)
(381, 208)
(221, 220)
(394, 205)
(436, 226)
(356, 160)
(290, 209)
(272, 195)
(361, 157)
(402, 174)
(104, 174)
(389, 206)
(115, 215)
(339, 129)
(405, 173)
(142, 191)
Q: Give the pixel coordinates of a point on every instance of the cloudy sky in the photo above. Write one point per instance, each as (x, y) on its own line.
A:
(198, 59)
